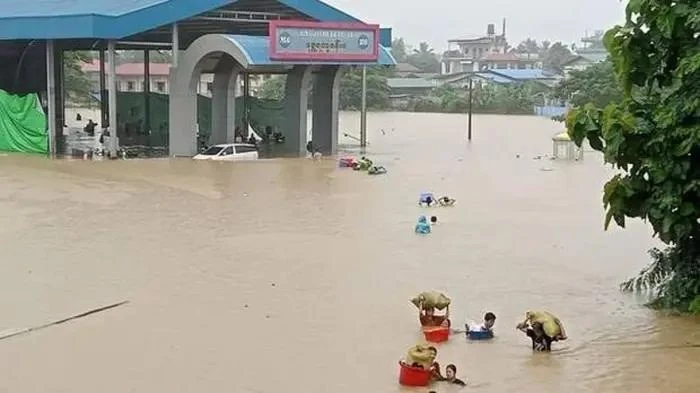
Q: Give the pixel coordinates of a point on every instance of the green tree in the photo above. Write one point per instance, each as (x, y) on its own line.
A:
(78, 87)
(398, 49)
(555, 55)
(528, 46)
(273, 88)
(424, 58)
(596, 84)
(652, 136)
(377, 89)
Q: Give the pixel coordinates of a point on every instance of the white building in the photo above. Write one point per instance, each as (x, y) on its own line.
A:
(485, 53)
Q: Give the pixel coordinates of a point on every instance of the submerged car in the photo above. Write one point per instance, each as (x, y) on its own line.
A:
(229, 152)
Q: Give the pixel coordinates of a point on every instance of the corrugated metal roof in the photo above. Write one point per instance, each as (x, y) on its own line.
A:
(113, 19)
(522, 75)
(47, 8)
(409, 83)
(494, 78)
(257, 51)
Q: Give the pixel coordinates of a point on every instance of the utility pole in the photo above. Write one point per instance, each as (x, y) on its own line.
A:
(469, 127)
(363, 110)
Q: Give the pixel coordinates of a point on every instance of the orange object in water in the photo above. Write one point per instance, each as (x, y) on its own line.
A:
(413, 376)
(436, 334)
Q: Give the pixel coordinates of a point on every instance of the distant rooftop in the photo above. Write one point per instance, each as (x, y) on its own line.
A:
(471, 39)
(129, 69)
(405, 67)
(408, 83)
(523, 75)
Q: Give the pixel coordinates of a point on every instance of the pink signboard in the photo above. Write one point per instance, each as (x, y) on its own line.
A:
(323, 41)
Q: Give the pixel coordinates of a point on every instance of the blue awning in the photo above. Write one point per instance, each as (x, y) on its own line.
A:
(257, 52)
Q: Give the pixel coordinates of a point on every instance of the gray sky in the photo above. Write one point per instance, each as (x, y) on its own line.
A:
(438, 21)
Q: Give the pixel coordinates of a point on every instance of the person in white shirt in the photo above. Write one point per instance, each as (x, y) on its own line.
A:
(489, 321)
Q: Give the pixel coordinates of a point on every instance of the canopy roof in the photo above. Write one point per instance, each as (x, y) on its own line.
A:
(118, 19)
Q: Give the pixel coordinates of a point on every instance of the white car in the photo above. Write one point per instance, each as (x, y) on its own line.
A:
(229, 152)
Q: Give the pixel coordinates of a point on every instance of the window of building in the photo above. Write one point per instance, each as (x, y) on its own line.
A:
(130, 86)
(160, 86)
(210, 87)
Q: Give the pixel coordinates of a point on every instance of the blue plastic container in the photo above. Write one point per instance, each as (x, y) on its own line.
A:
(479, 335)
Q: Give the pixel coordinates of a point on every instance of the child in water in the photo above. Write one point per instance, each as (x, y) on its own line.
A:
(489, 321)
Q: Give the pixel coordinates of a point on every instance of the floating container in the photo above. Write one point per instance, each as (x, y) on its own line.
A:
(413, 376)
(479, 335)
(437, 334)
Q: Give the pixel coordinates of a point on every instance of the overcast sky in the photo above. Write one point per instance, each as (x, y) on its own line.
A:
(438, 21)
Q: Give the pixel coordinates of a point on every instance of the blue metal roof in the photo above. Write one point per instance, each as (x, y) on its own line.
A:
(113, 19)
(494, 78)
(257, 51)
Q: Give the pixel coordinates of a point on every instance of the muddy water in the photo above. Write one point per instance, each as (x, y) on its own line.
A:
(294, 276)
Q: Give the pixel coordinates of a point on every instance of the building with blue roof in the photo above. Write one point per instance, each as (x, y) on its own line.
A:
(309, 40)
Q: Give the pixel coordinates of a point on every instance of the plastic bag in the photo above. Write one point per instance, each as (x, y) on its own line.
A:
(426, 197)
(548, 321)
(422, 225)
(432, 299)
(422, 355)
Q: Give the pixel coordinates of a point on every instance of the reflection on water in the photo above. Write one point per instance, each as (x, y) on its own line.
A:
(291, 275)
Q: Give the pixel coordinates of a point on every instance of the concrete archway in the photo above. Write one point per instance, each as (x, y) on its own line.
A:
(183, 91)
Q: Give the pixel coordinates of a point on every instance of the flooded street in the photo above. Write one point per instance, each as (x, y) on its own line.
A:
(294, 276)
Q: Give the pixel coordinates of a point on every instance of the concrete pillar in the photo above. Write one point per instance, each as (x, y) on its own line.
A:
(176, 45)
(325, 109)
(221, 127)
(112, 101)
(231, 105)
(51, 95)
(295, 110)
(104, 114)
(147, 92)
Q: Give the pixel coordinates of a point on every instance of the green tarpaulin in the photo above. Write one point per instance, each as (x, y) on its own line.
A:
(22, 124)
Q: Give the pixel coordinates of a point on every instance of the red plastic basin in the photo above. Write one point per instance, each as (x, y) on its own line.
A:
(413, 376)
(346, 162)
(436, 334)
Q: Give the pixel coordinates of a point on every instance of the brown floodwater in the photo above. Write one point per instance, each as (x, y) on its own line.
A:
(292, 275)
